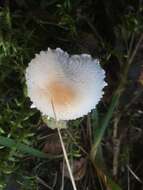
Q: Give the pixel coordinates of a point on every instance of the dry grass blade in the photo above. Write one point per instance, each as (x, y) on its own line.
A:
(64, 151)
(134, 175)
(67, 161)
(41, 181)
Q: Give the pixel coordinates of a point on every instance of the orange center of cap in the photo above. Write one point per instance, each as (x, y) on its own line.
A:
(61, 94)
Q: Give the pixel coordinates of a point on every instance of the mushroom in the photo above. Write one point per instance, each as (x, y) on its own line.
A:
(73, 84)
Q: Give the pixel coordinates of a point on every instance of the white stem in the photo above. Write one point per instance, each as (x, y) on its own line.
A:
(67, 161)
(64, 149)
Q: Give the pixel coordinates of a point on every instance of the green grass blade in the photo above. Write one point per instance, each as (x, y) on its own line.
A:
(10, 143)
(112, 185)
(108, 182)
(101, 130)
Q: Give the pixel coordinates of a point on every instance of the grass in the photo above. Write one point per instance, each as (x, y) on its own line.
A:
(109, 138)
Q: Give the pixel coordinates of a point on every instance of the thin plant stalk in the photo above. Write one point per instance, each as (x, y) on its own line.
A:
(64, 150)
(63, 173)
(67, 161)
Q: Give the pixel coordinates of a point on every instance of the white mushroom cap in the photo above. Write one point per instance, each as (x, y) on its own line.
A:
(73, 84)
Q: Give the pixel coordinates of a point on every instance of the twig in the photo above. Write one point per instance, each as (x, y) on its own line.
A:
(116, 147)
(117, 143)
(63, 171)
(134, 175)
(41, 181)
(131, 45)
(135, 50)
(55, 180)
(128, 173)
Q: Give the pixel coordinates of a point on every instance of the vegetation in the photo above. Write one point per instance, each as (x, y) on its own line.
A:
(105, 147)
